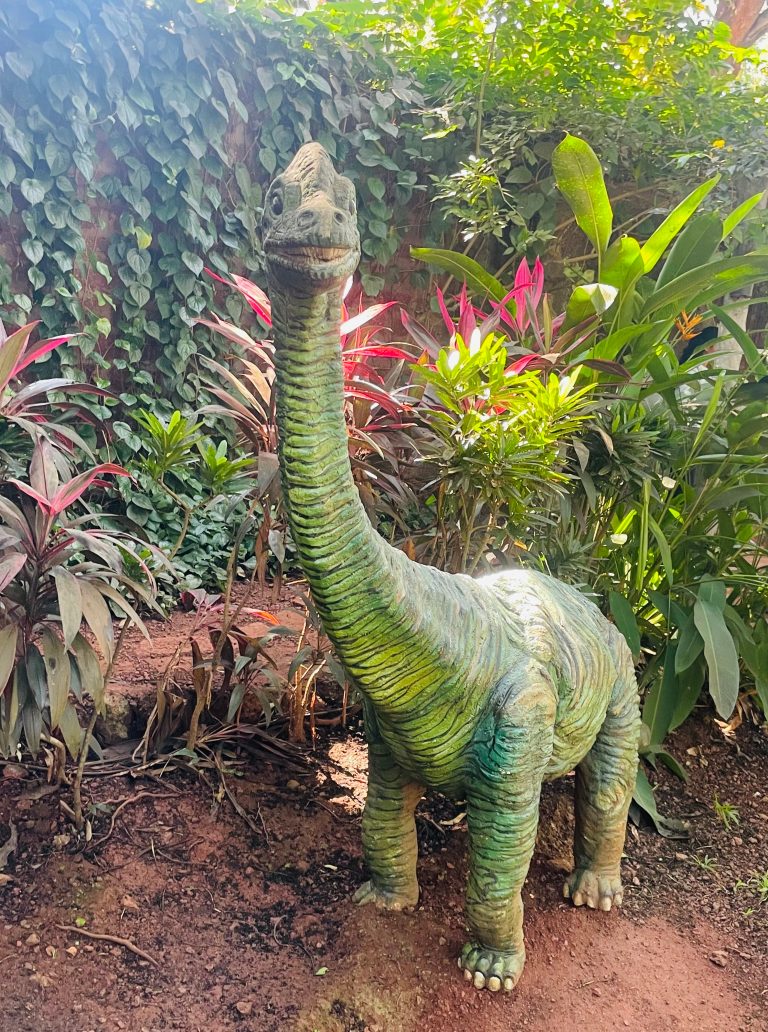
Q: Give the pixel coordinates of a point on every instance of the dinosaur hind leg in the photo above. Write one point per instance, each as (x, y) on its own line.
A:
(389, 828)
(605, 780)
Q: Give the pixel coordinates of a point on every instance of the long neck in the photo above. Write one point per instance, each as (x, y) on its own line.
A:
(339, 551)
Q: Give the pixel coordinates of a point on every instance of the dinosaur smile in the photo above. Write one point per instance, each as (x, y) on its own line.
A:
(299, 253)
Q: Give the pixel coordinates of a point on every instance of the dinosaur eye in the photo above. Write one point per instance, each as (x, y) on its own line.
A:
(276, 204)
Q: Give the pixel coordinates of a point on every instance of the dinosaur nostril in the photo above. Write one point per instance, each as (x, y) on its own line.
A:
(338, 217)
(306, 218)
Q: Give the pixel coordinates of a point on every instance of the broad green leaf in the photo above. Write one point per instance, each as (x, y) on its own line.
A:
(610, 347)
(91, 677)
(720, 654)
(644, 798)
(673, 612)
(588, 300)
(623, 263)
(624, 618)
(57, 669)
(661, 238)
(689, 685)
(730, 222)
(71, 732)
(462, 268)
(98, 617)
(70, 602)
(755, 361)
(693, 248)
(579, 179)
(660, 701)
(8, 640)
(690, 645)
(713, 591)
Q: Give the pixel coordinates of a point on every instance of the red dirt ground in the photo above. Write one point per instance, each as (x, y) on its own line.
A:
(254, 930)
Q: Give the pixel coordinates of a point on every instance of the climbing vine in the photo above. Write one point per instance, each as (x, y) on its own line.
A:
(136, 139)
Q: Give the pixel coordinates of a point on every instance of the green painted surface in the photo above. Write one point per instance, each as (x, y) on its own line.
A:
(479, 688)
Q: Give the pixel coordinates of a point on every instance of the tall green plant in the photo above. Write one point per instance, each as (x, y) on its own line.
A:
(685, 547)
(664, 511)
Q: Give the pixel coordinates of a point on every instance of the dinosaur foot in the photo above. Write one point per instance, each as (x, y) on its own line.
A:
(491, 969)
(386, 899)
(598, 891)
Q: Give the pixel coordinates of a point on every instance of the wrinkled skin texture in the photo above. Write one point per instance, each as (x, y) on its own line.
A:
(480, 688)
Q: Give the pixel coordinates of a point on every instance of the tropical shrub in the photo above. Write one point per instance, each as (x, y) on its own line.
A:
(377, 403)
(185, 496)
(664, 513)
(59, 574)
(26, 409)
(496, 420)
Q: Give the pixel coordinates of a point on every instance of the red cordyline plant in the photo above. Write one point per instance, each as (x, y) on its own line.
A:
(536, 339)
(27, 407)
(377, 400)
(58, 572)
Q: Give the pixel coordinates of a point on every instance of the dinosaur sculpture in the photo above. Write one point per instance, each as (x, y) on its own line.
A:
(480, 688)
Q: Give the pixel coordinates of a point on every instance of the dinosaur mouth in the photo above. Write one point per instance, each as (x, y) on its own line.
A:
(309, 254)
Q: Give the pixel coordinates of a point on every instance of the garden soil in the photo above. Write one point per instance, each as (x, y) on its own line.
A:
(238, 919)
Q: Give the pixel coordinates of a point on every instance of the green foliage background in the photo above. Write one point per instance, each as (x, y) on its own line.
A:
(135, 142)
(137, 136)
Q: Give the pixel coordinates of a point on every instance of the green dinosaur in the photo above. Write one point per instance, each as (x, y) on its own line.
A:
(479, 688)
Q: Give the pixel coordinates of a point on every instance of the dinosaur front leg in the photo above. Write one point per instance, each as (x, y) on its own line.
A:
(502, 814)
(389, 832)
(605, 780)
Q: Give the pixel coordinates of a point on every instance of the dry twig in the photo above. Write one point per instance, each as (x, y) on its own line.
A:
(127, 802)
(125, 943)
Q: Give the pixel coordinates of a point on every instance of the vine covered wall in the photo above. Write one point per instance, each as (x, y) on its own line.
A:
(136, 139)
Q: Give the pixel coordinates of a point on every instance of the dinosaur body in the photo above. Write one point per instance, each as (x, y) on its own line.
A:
(480, 688)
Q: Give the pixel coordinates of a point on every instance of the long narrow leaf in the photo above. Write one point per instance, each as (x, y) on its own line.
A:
(660, 701)
(8, 640)
(57, 668)
(70, 602)
(661, 238)
(755, 361)
(737, 216)
(720, 654)
(624, 618)
(98, 617)
(463, 268)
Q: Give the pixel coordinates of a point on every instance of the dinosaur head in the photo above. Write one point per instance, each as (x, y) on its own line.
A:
(309, 226)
